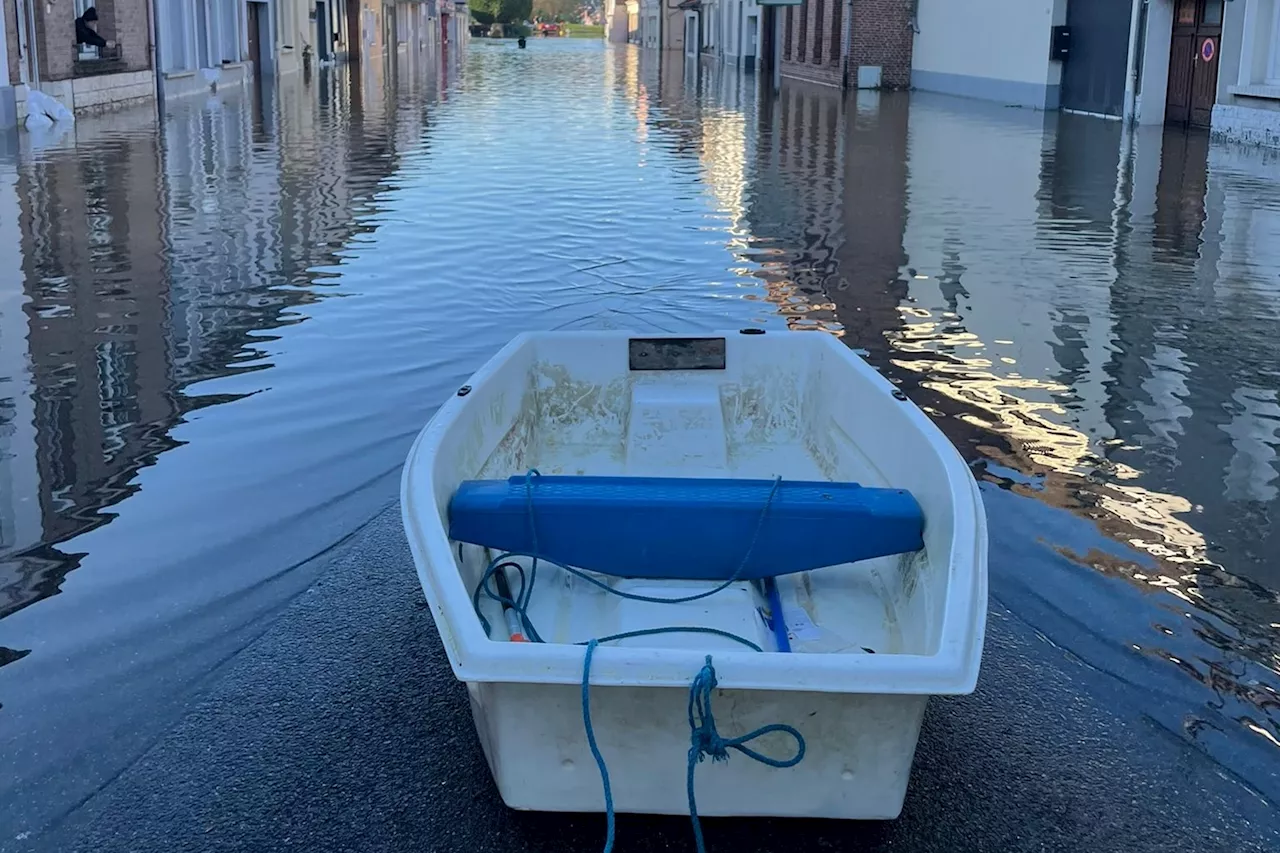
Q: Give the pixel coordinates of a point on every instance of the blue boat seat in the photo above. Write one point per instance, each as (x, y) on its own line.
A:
(686, 528)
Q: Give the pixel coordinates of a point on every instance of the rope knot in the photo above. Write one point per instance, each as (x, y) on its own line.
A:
(704, 739)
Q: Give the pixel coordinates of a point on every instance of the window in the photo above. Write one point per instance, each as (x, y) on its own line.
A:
(1212, 15)
(819, 14)
(86, 51)
(802, 49)
(837, 31)
(790, 34)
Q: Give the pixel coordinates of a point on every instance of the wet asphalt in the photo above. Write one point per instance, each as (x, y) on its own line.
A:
(342, 729)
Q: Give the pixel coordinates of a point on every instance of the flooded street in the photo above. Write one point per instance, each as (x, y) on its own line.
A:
(220, 332)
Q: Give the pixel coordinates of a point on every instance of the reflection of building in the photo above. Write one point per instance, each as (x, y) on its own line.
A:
(795, 201)
(41, 52)
(869, 288)
(93, 248)
(20, 526)
(149, 265)
(1083, 318)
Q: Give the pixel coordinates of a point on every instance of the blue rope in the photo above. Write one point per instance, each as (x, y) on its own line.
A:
(704, 740)
(595, 749)
(703, 737)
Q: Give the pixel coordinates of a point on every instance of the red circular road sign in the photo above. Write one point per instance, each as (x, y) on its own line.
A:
(1207, 50)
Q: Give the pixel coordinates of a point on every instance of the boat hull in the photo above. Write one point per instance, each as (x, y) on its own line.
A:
(870, 641)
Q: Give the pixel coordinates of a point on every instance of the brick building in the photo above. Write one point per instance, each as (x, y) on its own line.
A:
(41, 52)
(863, 43)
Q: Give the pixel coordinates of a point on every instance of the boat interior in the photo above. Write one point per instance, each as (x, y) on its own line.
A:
(745, 408)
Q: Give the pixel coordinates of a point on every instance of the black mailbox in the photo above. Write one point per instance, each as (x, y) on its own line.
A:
(1060, 48)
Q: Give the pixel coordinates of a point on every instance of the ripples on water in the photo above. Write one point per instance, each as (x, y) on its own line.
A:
(219, 336)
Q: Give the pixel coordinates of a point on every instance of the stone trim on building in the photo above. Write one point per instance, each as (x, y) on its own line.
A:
(1247, 124)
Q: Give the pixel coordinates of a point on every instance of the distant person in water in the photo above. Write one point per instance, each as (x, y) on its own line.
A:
(85, 34)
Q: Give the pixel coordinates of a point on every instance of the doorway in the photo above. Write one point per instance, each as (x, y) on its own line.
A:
(749, 45)
(1093, 77)
(1193, 62)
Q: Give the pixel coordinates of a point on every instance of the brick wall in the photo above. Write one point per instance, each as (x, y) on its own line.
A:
(813, 36)
(55, 38)
(132, 33)
(882, 35)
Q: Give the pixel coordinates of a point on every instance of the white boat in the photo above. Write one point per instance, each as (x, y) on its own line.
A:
(850, 652)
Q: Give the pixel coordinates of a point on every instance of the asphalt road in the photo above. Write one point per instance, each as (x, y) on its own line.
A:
(342, 729)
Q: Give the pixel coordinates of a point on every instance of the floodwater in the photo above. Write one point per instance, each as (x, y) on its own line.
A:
(219, 333)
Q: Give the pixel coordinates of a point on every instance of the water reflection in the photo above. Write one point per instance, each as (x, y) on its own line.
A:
(153, 261)
(222, 330)
(1086, 315)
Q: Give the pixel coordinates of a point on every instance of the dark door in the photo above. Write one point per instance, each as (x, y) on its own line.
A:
(1093, 76)
(255, 41)
(1193, 62)
(324, 44)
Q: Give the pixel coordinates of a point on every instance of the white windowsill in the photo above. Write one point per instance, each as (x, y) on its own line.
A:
(177, 75)
(1256, 90)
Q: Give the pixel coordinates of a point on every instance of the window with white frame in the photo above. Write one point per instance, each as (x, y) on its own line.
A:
(1260, 44)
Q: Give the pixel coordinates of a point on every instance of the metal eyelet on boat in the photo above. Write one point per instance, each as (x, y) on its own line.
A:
(464, 390)
(899, 395)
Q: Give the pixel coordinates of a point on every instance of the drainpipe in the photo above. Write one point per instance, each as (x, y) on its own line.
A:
(155, 53)
(1131, 81)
